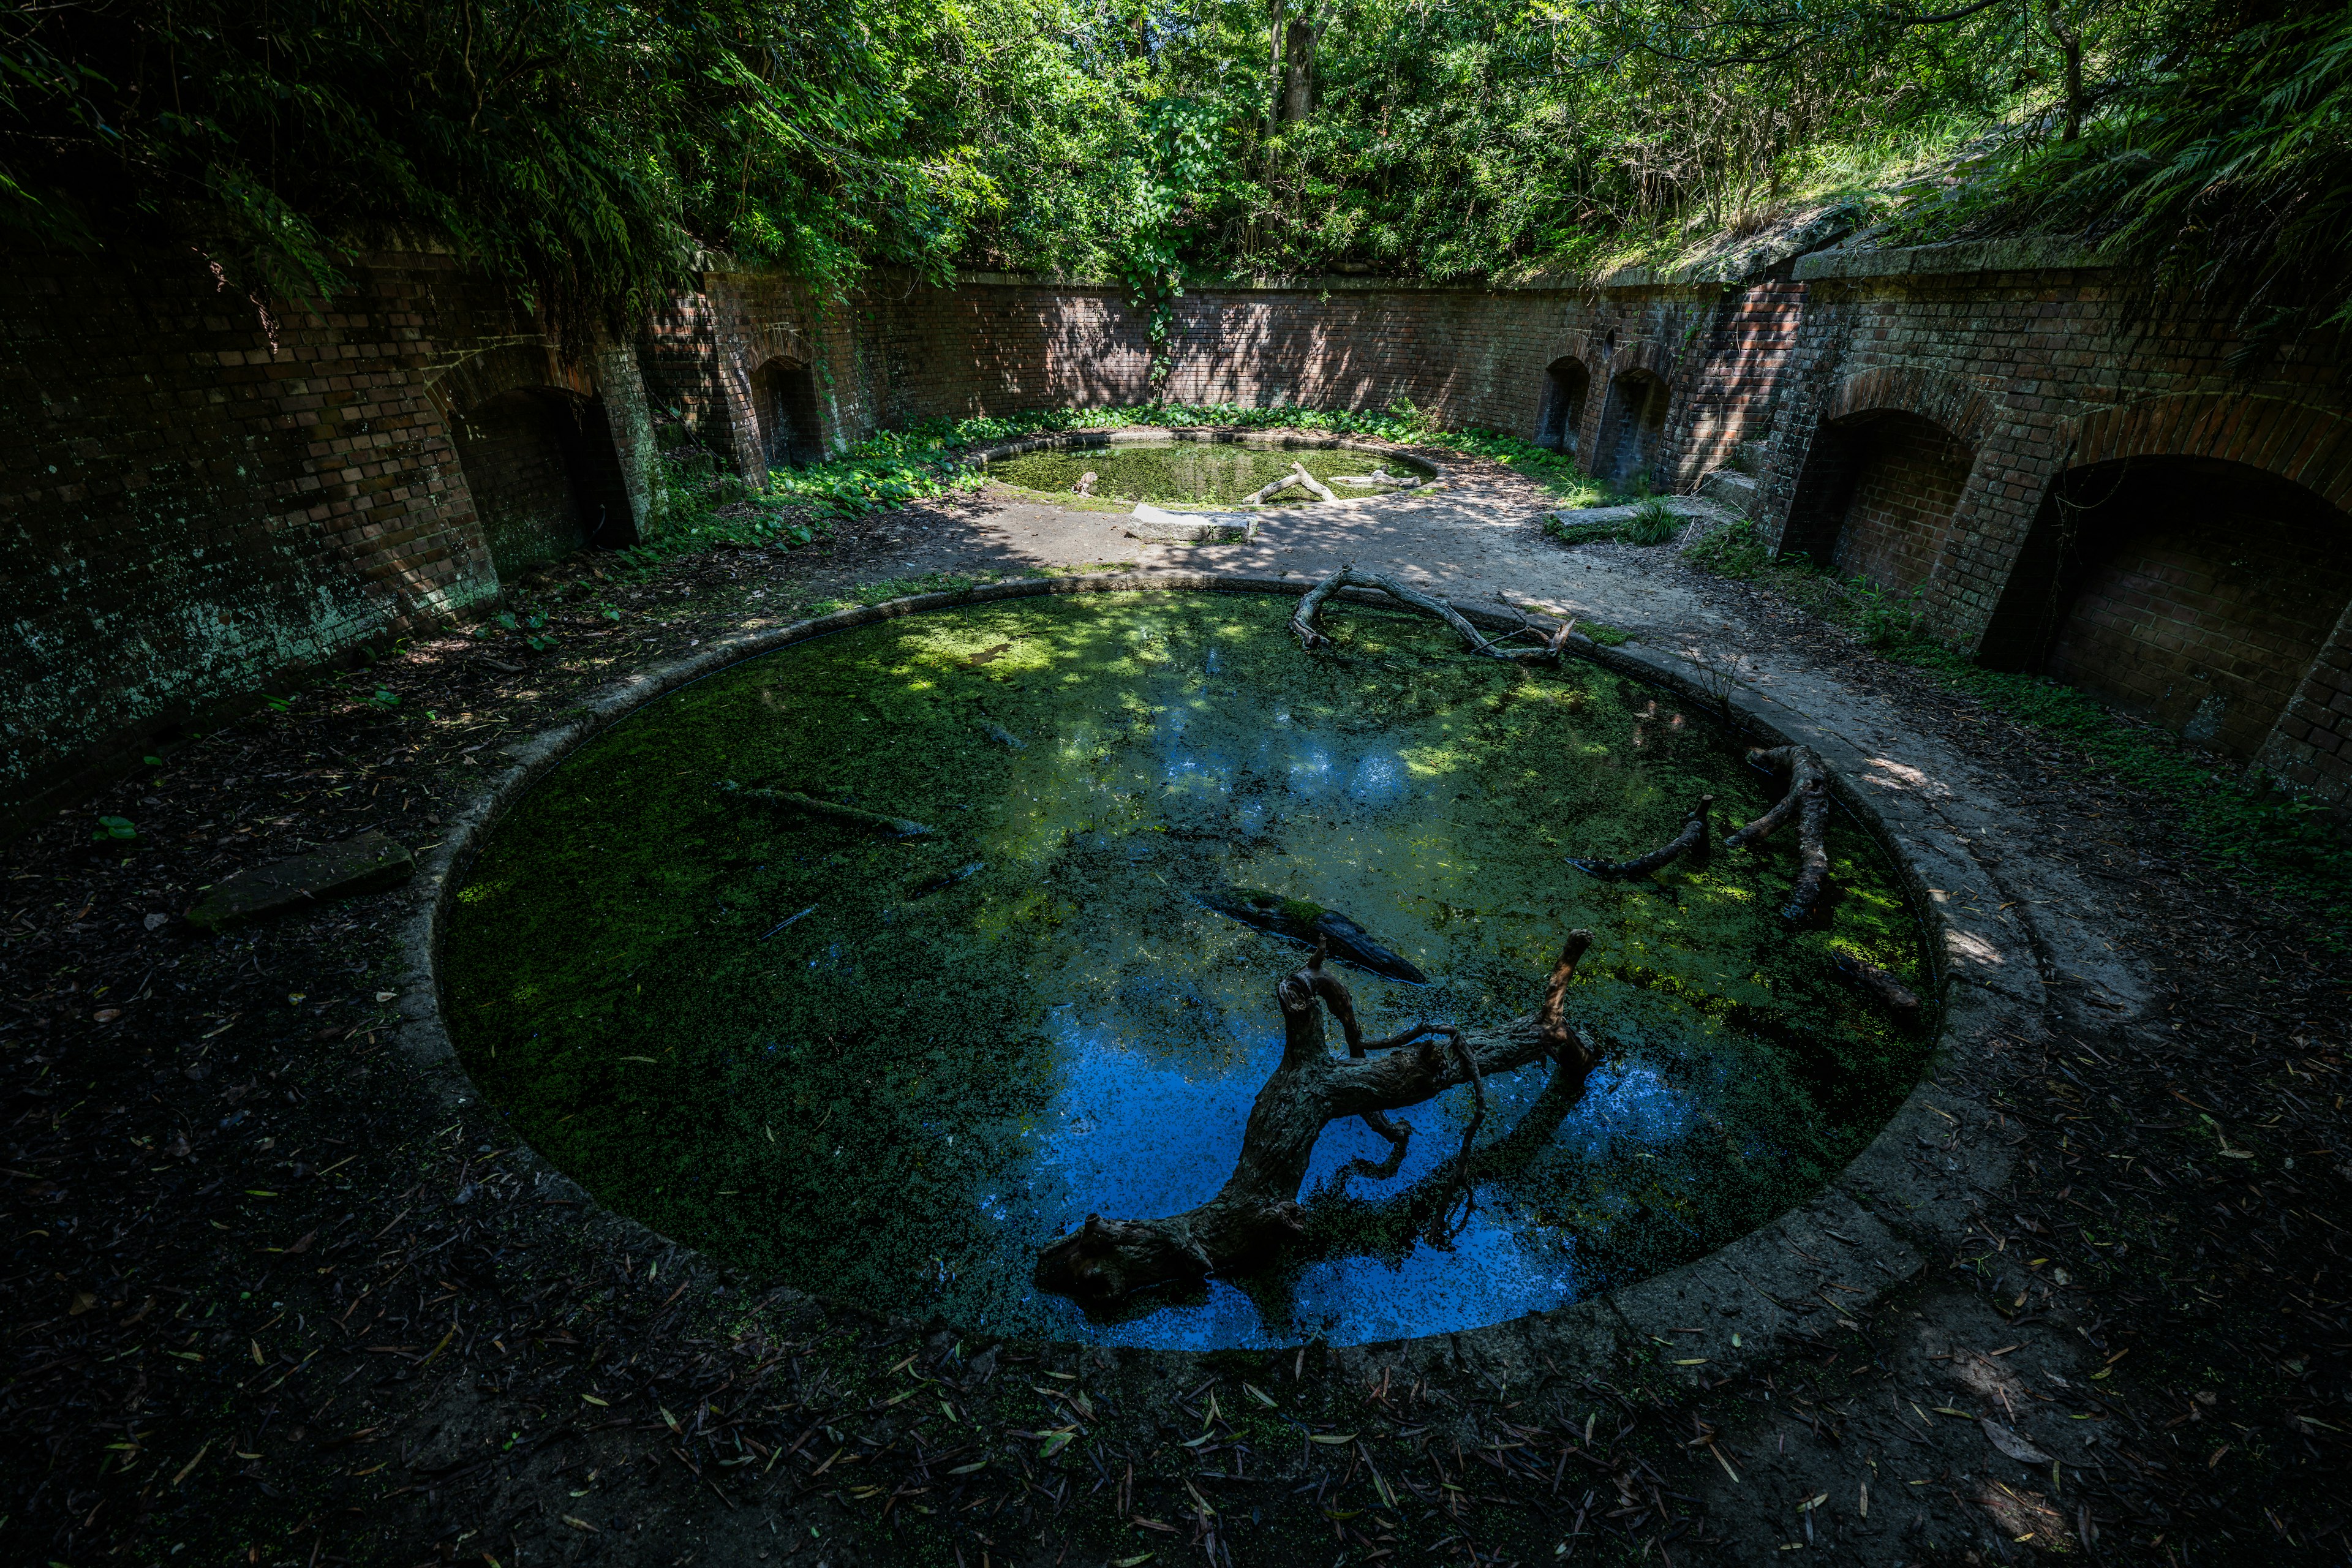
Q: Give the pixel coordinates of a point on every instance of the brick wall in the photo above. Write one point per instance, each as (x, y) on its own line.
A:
(198, 501)
(2204, 591)
(2041, 367)
(200, 498)
(1907, 479)
(512, 450)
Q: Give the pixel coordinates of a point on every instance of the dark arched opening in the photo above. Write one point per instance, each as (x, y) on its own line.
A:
(1562, 413)
(2191, 592)
(544, 478)
(1876, 497)
(1632, 430)
(792, 433)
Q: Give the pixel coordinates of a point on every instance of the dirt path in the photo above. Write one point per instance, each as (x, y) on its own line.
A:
(270, 1304)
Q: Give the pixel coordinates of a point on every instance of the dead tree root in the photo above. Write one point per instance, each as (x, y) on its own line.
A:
(1305, 621)
(1807, 800)
(1882, 987)
(1691, 841)
(1256, 1215)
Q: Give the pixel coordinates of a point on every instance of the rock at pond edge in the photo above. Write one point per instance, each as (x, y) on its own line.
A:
(367, 864)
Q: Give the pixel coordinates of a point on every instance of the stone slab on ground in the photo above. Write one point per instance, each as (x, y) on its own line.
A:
(1182, 527)
(367, 864)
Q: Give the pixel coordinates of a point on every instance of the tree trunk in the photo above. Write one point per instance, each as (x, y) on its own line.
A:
(2070, 45)
(1298, 71)
(1256, 1215)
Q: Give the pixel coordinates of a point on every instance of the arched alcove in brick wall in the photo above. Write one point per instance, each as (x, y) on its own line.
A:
(1876, 497)
(1559, 417)
(1633, 443)
(2196, 592)
(545, 480)
(791, 420)
(535, 443)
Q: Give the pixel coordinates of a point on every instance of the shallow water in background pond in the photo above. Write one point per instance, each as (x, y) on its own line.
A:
(1203, 472)
(827, 1057)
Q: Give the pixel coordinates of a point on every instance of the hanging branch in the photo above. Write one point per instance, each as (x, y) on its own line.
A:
(1691, 841)
(1256, 1215)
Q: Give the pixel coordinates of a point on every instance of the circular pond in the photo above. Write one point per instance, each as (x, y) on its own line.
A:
(1189, 471)
(887, 1068)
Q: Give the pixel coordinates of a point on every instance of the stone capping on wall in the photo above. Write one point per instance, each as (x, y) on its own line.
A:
(1909, 1193)
(1279, 440)
(2030, 253)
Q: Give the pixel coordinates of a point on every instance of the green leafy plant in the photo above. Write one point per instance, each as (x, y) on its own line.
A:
(114, 827)
(1736, 551)
(1580, 532)
(1652, 523)
(1887, 624)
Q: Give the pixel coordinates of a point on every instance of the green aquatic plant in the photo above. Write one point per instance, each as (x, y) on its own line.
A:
(889, 1068)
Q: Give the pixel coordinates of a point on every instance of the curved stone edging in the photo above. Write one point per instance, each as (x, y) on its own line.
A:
(1281, 439)
(1872, 1227)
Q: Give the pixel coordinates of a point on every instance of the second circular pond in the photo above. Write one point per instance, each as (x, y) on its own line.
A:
(1184, 470)
(886, 1070)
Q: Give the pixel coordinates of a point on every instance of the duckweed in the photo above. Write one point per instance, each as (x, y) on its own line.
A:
(886, 1070)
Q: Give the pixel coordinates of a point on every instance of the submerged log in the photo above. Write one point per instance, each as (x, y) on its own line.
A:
(1691, 841)
(1812, 853)
(1298, 478)
(1806, 772)
(1312, 925)
(1880, 986)
(898, 827)
(1256, 1215)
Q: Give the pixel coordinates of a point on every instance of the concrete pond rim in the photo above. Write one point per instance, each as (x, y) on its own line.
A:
(1914, 1187)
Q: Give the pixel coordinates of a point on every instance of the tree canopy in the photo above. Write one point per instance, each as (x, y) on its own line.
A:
(588, 149)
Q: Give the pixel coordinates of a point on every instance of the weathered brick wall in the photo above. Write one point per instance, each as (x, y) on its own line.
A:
(998, 345)
(2204, 595)
(2039, 367)
(198, 499)
(704, 352)
(1907, 477)
(194, 511)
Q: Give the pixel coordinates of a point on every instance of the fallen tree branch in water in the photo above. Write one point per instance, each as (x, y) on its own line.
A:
(1888, 992)
(898, 827)
(1255, 1214)
(1691, 841)
(1305, 622)
(1808, 800)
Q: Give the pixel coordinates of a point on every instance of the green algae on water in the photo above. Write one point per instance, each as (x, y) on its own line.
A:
(886, 1070)
(1203, 473)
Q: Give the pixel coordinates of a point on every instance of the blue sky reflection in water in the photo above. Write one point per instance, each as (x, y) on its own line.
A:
(896, 1099)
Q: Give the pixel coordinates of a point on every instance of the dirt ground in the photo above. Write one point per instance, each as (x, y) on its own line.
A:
(272, 1302)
